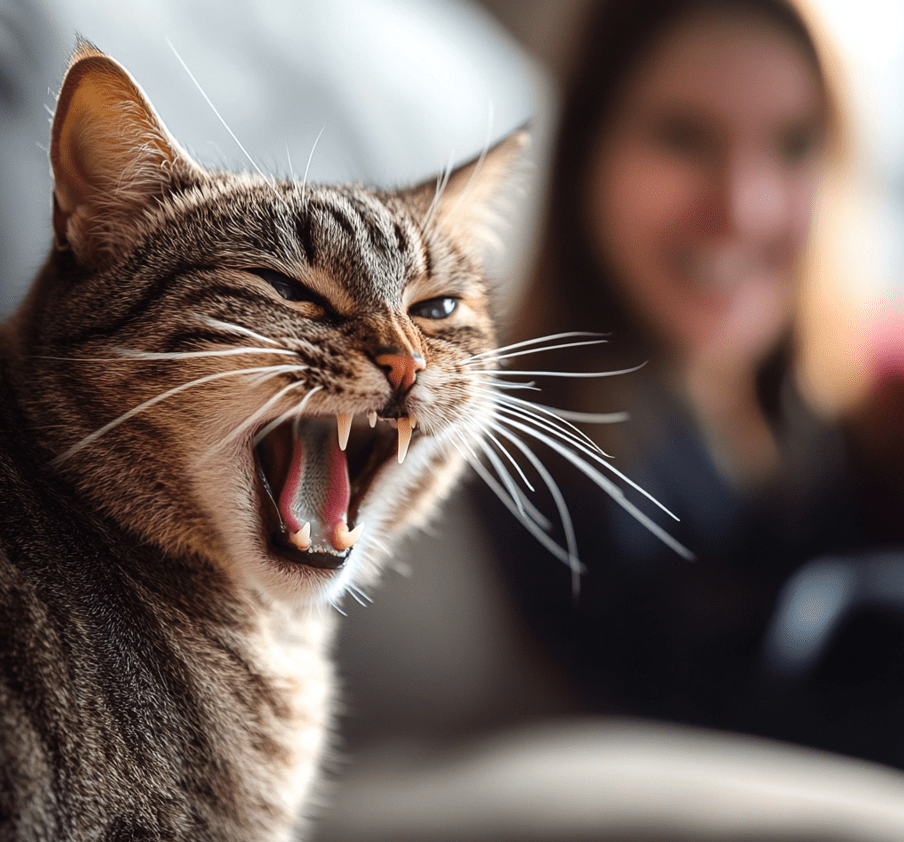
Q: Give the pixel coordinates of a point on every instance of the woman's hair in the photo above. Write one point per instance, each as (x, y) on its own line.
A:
(569, 290)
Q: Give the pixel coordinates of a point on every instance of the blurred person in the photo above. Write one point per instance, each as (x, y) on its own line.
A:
(690, 219)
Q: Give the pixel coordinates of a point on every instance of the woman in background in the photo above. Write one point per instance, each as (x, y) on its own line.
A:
(698, 140)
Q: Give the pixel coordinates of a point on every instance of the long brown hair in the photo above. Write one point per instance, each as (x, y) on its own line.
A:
(569, 289)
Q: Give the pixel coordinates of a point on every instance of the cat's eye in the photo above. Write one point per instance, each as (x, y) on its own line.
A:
(440, 307)
(289, 288)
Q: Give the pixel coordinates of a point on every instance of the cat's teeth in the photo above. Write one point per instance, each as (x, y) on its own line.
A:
(302, 538)
(343, 538)
(405, 427)
(372, 419)
(344, 425)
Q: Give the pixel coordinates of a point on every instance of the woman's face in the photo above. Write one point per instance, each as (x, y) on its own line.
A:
(701, 188)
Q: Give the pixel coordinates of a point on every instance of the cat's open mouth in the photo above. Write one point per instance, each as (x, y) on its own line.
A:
(314, 474)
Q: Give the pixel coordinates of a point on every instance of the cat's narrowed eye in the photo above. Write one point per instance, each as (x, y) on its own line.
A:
(440, 307)
(290, 288)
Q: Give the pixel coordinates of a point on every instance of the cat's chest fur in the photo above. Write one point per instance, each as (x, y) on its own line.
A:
(144, 697)
(223, 401)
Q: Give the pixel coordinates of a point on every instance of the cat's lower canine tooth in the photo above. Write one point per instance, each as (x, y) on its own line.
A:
(343, 538)
(302, 538)
(405, 427)
(344, 425)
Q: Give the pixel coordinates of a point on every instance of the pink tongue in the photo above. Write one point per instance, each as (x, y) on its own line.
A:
(316, 489)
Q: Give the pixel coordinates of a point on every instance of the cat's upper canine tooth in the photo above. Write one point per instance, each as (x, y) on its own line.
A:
(404, 427)
(344, 426)
(372, 419)
(343, 537)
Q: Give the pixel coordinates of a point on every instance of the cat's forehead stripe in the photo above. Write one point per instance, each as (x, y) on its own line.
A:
(361, 241)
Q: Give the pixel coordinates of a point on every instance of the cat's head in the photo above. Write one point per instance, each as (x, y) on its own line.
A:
(276, 375)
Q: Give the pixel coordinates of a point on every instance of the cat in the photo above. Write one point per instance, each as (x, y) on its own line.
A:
(224, 398)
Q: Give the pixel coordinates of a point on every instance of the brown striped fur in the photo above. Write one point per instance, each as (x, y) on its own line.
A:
(164, 673)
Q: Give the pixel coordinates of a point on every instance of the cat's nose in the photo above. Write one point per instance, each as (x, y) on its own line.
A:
(400, 367)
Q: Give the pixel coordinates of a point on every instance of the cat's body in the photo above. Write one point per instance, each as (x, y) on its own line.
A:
(170, 540)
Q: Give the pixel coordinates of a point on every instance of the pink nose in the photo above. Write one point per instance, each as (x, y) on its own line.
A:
(401, 367)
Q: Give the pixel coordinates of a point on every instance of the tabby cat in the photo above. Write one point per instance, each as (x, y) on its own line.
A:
(224, 398)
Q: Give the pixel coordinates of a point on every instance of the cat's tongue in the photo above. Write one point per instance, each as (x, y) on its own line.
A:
(315, 496)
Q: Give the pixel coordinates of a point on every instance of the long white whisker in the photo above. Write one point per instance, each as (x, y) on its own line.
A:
(570, 415)
(558, 498)
(501, 447)
(66, 454)
(285, 416)
(524, 505)
(608, 486)
(478, 165)
(219, 116)
(546, 348)
(259, 413)
(577, 444)
(588, 417)
(511, 487)
(304, 180)
(548, 419)
(289, 159)
(234, 328)
(559, 552)
(441, 183)
(518, 373)
(552, 337)
(189, 355)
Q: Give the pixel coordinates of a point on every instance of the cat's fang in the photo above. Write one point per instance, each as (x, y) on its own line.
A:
(302, 538)
(404, 427)
(372, 419)
(344, 426)
(343, 538)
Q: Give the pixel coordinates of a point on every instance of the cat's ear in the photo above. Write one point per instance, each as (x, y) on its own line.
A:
(111, 156)
(465, 205)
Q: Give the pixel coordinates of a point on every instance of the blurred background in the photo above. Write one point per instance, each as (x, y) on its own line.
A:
(452, 725)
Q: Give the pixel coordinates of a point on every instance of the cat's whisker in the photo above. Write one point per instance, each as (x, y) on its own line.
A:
(249, 422)
(291, 413)
(267, 179)
(518, 372)
(304, 180)
(234, 328)
(207, 378)
(607, 485)
(538, 532)
(190, 355)
(548, 419)
(441, 182)
(478, 166)
(504, 451)
(525, 506)
(289, 159)
(555, 491)
(552, 337)
(526, 351)
(507, 480)
(595, 453)
(513, 387)
(359, 596)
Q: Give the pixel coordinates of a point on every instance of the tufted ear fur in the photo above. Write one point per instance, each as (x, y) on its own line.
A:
(465, 206)
(111, 157)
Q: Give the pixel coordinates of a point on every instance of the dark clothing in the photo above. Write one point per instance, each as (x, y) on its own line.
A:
(652, 634)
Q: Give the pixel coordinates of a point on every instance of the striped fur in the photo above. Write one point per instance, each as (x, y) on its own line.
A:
(164, 671)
